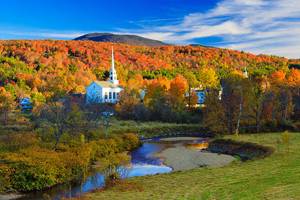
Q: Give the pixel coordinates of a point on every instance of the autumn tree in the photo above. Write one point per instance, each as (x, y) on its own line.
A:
(278, 77)
(7, 104)
(214, 113)
(208, 78)
(128, 102)
(232, 102)
(177, 93)
(225, 113)
(256, 101)
(283, 97)
(294, 77)
(135, 83)
(156, 100)
(293, 81)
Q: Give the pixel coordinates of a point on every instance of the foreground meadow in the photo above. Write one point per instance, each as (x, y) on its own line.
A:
(274, 177)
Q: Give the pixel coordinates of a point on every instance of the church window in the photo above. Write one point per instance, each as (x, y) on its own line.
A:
(114, 95)
(105, 96)
(109, 95)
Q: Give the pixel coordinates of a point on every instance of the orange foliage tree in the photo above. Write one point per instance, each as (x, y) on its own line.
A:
(177, 93)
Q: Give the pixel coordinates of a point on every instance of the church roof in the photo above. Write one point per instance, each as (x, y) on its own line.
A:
(106, 84)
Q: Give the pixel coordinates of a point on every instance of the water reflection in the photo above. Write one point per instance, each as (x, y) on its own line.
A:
(143, 170)
(145, 154)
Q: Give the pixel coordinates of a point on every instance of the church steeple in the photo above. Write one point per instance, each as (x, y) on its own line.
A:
(245, 72)
(113, 73)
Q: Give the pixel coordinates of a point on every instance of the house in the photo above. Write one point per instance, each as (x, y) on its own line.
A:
(105, 91)
(201, 96)
(25, 103)
(245, 73)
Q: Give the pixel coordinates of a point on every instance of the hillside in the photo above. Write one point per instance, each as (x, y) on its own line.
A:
(47, 67)
(115, 38)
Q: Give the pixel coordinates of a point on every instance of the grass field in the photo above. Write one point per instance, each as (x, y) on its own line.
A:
(274, 177)
(151, 129)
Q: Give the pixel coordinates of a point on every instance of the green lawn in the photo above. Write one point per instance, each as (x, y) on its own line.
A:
(275, 177)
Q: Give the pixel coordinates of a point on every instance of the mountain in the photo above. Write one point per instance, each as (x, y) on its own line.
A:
(200, 45)
(126, 39)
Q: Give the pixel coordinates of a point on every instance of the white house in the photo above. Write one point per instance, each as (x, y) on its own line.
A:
(200, 95)
(25, 103)
(105, 91)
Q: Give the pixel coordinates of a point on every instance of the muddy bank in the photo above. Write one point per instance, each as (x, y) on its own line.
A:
(244, 150)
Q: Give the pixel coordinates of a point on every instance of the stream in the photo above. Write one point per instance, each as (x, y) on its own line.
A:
(182, 153)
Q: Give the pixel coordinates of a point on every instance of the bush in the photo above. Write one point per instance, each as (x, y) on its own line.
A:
(36, 168)
(127, 142)
(5, 173)
(14, 142)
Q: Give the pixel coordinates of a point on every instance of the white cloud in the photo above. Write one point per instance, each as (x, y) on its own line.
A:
(41, 34)
(61, 35)
(156, 35)
(259, 26)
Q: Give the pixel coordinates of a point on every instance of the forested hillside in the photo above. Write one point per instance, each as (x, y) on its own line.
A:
(43, 68)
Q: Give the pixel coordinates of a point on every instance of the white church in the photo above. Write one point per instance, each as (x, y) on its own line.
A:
(105, 91)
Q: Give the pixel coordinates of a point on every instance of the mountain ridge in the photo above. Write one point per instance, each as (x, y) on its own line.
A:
(121, 38)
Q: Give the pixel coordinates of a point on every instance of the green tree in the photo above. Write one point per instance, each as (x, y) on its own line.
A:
(192, 83)
(256, 100)
(61, 118)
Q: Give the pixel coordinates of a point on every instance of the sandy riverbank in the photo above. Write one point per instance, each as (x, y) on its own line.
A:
(176, 139)
(9, 196)
(180, 157)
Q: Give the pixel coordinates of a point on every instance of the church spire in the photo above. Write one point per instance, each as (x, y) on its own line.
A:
(112, 59)
(113, 73)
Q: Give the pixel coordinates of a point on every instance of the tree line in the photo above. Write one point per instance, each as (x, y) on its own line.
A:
(45, 70)
(233, 104)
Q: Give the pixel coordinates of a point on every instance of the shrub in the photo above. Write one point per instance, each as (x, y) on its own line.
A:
(14, 142)
(36, 168)
(5, 182)
(127, 142)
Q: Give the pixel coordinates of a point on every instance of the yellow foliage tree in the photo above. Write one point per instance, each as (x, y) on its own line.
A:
(208, 78)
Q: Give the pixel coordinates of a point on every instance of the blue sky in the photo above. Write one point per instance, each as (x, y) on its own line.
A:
(258, 26)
